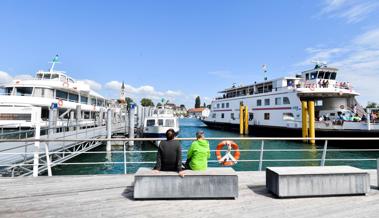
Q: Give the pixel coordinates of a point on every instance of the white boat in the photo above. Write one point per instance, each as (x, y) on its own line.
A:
(161, 120)
(24, 102)
(274, 106)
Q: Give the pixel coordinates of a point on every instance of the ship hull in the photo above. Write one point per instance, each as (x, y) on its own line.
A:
(275, 131)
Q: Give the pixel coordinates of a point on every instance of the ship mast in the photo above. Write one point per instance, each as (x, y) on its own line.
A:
(54, 61)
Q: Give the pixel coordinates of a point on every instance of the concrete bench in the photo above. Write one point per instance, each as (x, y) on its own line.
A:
(316, 181)
(212, 183)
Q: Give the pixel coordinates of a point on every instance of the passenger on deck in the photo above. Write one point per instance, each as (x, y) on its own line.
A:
(169, 155)
(198, 153)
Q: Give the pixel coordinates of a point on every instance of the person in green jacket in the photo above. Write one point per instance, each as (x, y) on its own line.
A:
(199, 153)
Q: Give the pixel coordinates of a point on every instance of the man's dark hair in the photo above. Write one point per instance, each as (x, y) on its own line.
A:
(170, 134)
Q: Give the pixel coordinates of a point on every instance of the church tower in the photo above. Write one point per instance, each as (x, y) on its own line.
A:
(122, 93)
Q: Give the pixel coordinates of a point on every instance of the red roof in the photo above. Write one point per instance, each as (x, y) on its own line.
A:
(196, 110)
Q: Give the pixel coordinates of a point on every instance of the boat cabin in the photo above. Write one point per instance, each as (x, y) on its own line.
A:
(321, 76)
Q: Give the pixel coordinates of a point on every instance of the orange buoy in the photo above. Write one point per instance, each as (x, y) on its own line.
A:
(228, 159)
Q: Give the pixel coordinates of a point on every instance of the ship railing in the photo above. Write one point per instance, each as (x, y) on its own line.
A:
(319, 153)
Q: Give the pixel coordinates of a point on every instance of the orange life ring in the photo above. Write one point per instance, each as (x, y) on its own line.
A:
(228, 159)
(60, 102)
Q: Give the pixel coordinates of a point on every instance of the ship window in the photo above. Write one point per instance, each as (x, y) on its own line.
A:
(307, 76)
(222, 115)
(251, 116)
(73, 97)
(46, 76)
(259, 102)
(333, 76)
(214, 115)
(39, 76)
(24, 91)
(267, 101)
(321, 75)
(327, 75)
(61, 95)
(93, 101)
(218, 105)
(100, 102)
(10, 116)
(8, 90)
(227, 105)
(54, 76)
(232, 116)
(169, 123)
(222, 105)
(267, 116)
(278, 101)
(150, 123)
(160, 122)
(83, 99)
(313, 75)
(288, 116)
(286, 100)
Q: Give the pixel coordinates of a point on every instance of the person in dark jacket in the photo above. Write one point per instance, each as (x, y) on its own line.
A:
(169, 155)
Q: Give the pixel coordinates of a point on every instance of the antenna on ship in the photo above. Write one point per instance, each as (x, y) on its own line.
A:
(53, 62)
(319, 63)
(264, 69)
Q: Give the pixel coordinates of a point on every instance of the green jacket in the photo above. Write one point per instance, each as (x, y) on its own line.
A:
(199, 153)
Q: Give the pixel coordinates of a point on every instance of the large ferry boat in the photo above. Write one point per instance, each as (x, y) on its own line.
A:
(275, 106)
(25, 102)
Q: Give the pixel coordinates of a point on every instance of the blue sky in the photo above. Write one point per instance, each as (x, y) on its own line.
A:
(180, 49)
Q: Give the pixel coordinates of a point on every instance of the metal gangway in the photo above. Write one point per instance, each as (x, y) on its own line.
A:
(18, 148)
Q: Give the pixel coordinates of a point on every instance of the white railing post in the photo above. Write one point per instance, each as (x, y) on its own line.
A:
(125, 169)
(109, 129)
(37, 130)
(48, 163)
(323, 158)
(261, 156)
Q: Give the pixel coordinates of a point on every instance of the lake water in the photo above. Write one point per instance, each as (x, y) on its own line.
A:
(188, 128)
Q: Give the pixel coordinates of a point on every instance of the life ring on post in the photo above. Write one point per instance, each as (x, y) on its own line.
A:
(312, 87)
(228, 159)
(60, 102)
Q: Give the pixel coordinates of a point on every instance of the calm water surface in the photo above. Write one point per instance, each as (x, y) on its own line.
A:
(188, 128)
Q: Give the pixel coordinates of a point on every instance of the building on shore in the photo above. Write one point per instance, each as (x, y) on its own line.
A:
(200, 113)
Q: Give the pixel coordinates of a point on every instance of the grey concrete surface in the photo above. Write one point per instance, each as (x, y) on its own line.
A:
(112, 196)
(317, 181)
(212, 183)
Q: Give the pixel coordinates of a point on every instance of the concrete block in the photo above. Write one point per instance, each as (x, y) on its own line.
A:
(212, 183)
(316, 181)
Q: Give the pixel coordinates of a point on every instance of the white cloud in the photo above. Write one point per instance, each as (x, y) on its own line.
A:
(5, 77)
(321, 54)
(92, 84)
(351, 11)
(145, 91)
(358, 62)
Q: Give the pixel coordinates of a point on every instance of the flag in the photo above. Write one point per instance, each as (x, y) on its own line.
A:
(264, 68)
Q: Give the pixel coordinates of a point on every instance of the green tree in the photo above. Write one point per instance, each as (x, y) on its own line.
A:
(197, 102)
(159, 104)
(372, 105)
(204, 105)
(147, 102)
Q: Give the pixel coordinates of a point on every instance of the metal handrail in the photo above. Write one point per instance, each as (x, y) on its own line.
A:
(261, 151)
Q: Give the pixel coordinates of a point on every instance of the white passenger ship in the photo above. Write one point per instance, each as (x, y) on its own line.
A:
(25, 102)
(275, 106)
(161, 120)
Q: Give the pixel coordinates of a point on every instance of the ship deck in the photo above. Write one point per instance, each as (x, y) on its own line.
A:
(112, 196)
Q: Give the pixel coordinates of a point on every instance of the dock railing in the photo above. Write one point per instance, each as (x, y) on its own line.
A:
(41, 166)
